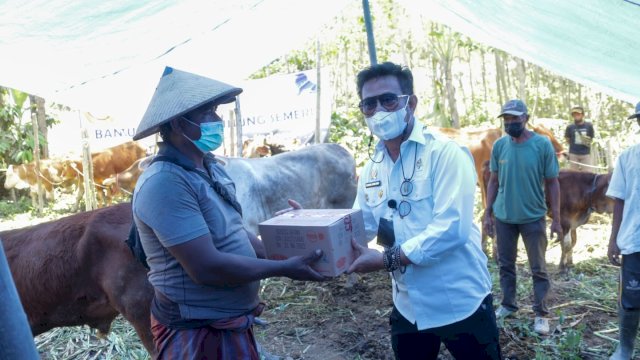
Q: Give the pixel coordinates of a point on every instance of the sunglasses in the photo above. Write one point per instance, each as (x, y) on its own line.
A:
(389, 102)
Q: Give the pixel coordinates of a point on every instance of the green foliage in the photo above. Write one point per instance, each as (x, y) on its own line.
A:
(8, 209)
(565, 346)
(351, 132)
(569, 345)
(16, 136)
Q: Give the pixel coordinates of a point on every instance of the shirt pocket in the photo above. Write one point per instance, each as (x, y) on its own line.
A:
(422, 190)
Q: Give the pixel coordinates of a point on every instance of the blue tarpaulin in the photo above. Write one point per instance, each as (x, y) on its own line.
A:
(593, 42)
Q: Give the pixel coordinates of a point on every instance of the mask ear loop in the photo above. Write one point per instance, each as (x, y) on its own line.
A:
(369, 150)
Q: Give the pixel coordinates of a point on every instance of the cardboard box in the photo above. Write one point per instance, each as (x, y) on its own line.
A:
(300, 231)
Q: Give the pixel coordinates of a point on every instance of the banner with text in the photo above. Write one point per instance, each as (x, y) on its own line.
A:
(282, 107)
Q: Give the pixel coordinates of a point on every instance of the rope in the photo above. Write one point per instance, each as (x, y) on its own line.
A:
(40, 174)
(587, 165)
(73, 166)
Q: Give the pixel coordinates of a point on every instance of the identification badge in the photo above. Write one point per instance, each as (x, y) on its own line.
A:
(374, 183)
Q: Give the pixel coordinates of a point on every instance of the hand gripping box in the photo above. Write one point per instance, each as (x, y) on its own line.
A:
(298, 232)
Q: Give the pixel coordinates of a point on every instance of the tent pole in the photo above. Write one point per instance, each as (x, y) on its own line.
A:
(318, 97)
(239, 142)
(370, 40)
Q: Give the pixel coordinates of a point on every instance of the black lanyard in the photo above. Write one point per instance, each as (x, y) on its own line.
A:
(217, 187)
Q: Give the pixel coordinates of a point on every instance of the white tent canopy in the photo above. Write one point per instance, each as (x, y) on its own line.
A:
(106, 56)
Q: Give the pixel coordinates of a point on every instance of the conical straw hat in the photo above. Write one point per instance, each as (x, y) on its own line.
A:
(179, 92)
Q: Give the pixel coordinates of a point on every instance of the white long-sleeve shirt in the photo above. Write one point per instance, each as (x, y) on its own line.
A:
(448, 279)
(625, 185)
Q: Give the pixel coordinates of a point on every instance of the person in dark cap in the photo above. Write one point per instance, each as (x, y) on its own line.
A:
(205, 267)
(579, 136)
(522, 163)
(624, 242)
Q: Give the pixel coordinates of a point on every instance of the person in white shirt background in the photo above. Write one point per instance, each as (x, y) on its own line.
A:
(624, 241)
(417, 196)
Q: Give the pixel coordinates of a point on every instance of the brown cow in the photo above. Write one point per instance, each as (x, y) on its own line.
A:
(26, 176)
(581, 193)
(126, 180)
(106, 163)
(78, 270)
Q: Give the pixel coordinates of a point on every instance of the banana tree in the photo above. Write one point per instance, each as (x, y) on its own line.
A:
(16, 135)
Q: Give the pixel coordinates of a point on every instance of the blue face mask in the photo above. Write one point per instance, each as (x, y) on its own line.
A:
(211, 135)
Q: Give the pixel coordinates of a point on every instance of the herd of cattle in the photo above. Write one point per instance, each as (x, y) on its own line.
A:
(78, 270)
(68, 174)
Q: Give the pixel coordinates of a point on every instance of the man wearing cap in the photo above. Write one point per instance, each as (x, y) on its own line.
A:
(522, 163)
(624, 188)
(579, 136)
(204, 266)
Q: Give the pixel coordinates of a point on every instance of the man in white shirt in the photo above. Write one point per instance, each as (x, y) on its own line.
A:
(624, 188)
(417, 195)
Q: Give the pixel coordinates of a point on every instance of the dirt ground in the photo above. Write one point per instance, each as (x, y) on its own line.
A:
(341, 320)
(334, 320)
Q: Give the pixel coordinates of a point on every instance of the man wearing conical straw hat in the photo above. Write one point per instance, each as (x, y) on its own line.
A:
(205, 267)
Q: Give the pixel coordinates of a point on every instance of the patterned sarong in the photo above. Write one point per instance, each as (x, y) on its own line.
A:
(224, 339)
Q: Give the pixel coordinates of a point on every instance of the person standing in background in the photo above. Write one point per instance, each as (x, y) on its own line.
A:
(579, 136)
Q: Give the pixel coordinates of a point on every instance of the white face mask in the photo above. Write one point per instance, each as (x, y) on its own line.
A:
(388, 125)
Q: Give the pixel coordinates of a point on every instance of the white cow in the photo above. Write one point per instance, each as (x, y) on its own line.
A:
(319, 177)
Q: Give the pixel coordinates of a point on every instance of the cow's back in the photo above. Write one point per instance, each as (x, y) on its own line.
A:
(77, 270)
(319, 176)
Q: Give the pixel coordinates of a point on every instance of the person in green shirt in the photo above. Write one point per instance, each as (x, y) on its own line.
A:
(522, 163)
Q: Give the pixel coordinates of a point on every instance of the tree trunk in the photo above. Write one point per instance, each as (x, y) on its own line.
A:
(522, 80)
(484, 81)
(451, 92)
(536, 79)
(499, 76)
(41, 117)
(463, 95)
(566, 95)
(507, 77)
(473, 95)
(36, 152)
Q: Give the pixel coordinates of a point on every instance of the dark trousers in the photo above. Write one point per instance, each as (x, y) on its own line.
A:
(475, 337)
(629, 292)
(535, 241)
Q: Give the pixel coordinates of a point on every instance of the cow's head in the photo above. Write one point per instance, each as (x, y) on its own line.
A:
(600, 202)
(12, 179)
